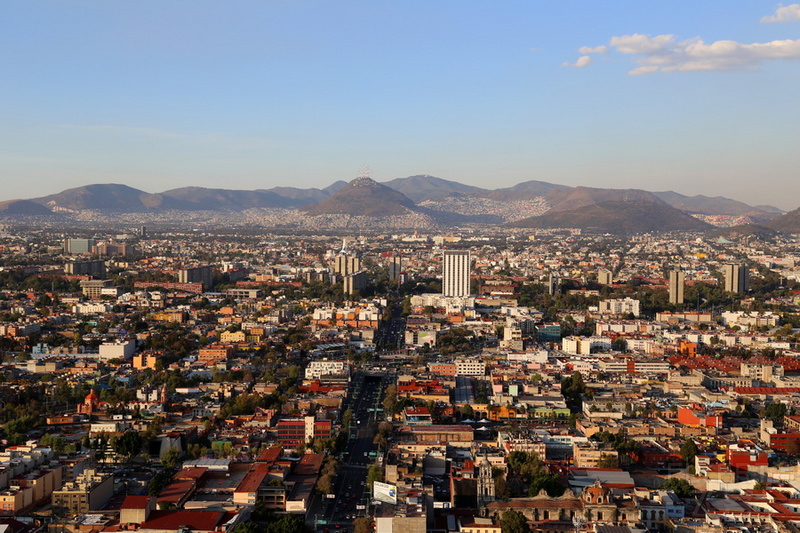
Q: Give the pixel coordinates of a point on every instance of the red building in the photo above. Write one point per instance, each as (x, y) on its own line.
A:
(691, 417)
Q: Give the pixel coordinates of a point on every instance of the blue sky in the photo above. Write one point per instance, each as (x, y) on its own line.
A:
(696, 97)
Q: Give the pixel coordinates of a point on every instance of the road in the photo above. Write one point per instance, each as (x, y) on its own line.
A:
(350, 492)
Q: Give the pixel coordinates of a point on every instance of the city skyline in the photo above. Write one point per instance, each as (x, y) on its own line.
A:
(698, 99)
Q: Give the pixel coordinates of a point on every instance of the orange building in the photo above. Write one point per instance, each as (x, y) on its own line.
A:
(215, 353)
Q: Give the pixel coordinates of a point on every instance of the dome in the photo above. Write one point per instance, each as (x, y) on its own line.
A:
(91, 397)
(598, 494)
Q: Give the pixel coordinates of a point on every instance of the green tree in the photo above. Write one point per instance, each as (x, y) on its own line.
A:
(688, 451)
(374, 474)
(775, 411)
(514, 522)
(129, 444)
(607, 461)
(681, 487)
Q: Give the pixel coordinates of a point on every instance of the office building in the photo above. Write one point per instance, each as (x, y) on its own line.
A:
(346, 265)
(356, 281)
(395, 266)
(553, 285)
(604, 276)
(676, 286)
(455, 273)
(737, 278)
(200, 274)
(84, 268)
(79, 246)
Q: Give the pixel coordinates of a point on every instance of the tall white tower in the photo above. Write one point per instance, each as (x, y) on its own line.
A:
(455, 273)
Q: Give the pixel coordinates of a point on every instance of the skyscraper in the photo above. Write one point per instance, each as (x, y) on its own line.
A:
(737, 278)
(395, 266)
(604, 276)
(455, 273)
(676, 285)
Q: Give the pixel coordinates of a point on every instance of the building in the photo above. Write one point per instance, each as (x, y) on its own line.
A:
(356, 281)
(298, 431)
(590, 454)
(324, 367)
(85, 268)
(455, 273)
(677, 280)
(737, 278)
(604, 276)
(122, 350)
(93, 288)
(620, 306)
(395, 266)
(214, 354)
(79, 246)
(89, 492)
(200, 274)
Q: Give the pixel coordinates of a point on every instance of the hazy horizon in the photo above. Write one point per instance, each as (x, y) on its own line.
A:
(698, 98)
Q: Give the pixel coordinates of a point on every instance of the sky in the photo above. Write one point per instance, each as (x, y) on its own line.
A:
(695, 97)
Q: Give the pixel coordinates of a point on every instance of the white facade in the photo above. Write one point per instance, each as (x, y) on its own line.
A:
(455, 273)
(467, 367)
(620, 306)
(117, 350)
(317, 369)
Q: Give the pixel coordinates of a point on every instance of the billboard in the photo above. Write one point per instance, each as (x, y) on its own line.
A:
(383, 492)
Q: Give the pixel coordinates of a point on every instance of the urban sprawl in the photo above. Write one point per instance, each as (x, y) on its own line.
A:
(208, 381)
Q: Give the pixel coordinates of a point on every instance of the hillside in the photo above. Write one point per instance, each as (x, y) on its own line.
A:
(110, 196)
(717, 205)
(23, 207)
(735, 233)
(571, 199)
(200, 198)
(422, 188)
(526, 190)
(364, 197)
(787, 223)
(617, 217)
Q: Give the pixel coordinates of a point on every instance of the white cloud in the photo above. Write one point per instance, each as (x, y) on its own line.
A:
(583, 61)
(665, 53)
(784, 14)
(602, 49)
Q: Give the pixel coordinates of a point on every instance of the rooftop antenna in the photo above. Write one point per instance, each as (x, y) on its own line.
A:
(364, 172)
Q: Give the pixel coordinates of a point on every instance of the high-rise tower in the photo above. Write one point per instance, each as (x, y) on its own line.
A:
(455, 273)
(737, 278)
(676, 285)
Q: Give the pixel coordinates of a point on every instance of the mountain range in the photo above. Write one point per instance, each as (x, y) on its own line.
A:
(533, 204)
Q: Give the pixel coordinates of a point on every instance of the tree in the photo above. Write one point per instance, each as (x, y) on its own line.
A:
(170, 457)
(287, 524)
(607, 461)
(681, 487)
(347, 418)
(775, 411)
(374, 474)
(390, 400)
(129, 444)
(514, 522)
(688, 451)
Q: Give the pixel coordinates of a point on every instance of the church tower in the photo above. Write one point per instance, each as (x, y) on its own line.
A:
(485, 483)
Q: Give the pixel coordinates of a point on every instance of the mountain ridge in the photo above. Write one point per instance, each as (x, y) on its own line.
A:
(367, 197)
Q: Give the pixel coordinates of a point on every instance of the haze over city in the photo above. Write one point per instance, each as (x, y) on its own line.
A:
(696, 97)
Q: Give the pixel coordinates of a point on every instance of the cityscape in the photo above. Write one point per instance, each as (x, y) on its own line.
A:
(472, 380)
(399, 267)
